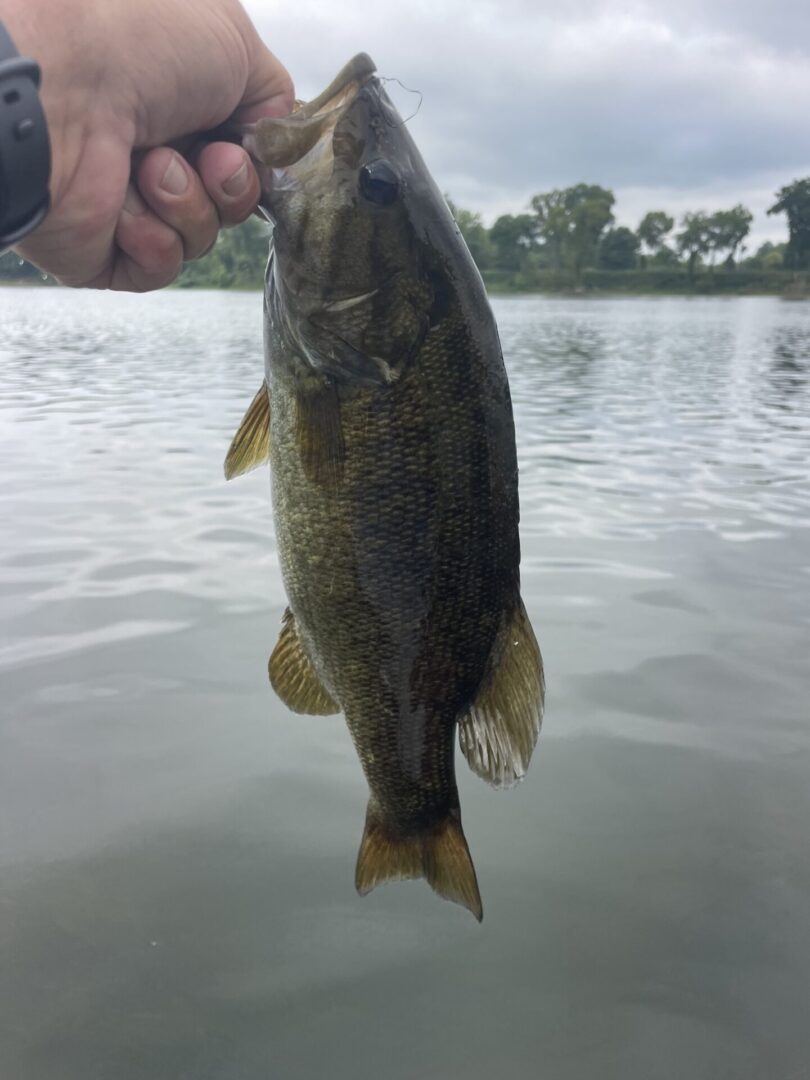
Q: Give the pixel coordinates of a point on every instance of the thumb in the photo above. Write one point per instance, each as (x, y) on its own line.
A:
(269, 89)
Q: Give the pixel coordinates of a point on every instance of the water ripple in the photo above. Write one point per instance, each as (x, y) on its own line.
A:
(639, 422)
(638, 416)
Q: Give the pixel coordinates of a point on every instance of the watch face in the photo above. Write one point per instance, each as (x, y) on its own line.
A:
(24, 198)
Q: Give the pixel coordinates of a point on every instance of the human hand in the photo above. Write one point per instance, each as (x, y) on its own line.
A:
(121, 79)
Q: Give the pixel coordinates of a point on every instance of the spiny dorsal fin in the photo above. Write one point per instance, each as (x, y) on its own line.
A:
(250, 446)
(499, 731)
(293, 676)
(439, 854)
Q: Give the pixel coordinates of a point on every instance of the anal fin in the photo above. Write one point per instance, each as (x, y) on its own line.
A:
(250, 446)
(499, 730)
(439, 854)
(293, 677)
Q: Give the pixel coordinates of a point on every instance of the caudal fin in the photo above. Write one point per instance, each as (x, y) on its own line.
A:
(439, 854)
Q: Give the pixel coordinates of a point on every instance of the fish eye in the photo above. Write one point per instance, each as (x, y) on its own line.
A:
(379, 183)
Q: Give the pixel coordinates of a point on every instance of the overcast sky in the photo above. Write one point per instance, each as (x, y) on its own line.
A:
(674, 104)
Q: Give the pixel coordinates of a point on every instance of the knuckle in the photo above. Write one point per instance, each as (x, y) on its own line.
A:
(205, 221)
(156, 277)
(201, 236)
(205, 247)
(235, 210)
(235, 215)
(165, 247)
(94, 213)
(160, 254)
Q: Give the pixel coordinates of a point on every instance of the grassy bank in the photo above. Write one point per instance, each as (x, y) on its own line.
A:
(238, 261)
(675, 281)
(593, 283)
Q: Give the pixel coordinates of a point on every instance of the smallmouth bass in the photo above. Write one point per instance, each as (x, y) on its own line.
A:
(386, 417)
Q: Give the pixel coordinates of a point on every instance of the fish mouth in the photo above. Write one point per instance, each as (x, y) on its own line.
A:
(280, 142)
(346, 83)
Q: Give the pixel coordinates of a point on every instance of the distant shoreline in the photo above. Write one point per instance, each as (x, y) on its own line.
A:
(497, 291)
(596, 283)
(664, 293)
(675, 282)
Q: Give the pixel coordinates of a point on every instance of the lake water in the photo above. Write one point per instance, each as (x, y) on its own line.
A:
(177, 849)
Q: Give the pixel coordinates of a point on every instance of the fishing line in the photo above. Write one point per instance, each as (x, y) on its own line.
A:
(407, 89)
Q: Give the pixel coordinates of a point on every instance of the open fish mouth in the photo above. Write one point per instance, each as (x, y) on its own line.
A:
(345, 84)
(278, 142)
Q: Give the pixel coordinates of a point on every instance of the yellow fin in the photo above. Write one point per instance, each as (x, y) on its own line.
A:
(384, 856)
(251, 443)
(439, 854)
(499, 731)
(449, 867)
(293, 677)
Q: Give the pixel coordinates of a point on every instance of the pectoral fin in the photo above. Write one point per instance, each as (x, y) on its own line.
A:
(319, 435)
(293, 676)
(251, 443)
(499, 731)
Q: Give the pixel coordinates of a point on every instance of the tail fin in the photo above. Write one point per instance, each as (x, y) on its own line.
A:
(440, 854)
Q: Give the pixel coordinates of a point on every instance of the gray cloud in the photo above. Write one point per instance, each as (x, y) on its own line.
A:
(700, 103)
(782, 25)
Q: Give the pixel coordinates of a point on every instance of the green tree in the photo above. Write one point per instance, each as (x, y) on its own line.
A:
(768, 256)
(237, 260)
(664, 258)
(794, 200)
(553, 224)
(475, 234)
(570, 222)
(727, 230)
(652, 229)
(695, 239)
(618, 249)
(591, 209)
(511, 237)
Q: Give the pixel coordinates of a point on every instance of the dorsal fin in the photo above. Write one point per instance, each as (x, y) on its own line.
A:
(499, 731)
(250, 446)
(293, 677)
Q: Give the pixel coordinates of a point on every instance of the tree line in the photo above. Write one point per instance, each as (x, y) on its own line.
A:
(573, 229)
(566, 230)
(236, 261)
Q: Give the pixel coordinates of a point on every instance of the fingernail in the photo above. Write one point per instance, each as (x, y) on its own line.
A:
(133, 203)
(238, 183)
(175, 179)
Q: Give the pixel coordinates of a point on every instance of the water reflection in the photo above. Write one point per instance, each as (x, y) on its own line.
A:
(789, 367)
(176, 848)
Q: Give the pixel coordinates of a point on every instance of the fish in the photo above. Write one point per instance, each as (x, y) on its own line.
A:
(386, 418)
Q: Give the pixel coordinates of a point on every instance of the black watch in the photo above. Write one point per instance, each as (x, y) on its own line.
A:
(25, 151)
